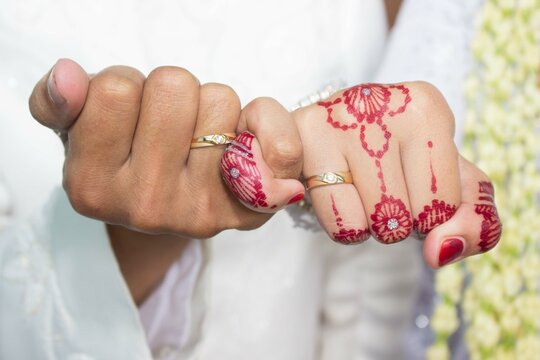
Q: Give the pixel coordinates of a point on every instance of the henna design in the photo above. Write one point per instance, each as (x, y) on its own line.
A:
(347, 236)
(486, 188)
(240, 172)
(433, 178)
(368, 104)
(434, 215)
(491, 229)
(391, 220)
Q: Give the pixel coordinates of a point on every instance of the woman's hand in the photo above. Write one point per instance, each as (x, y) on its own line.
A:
(397, 143)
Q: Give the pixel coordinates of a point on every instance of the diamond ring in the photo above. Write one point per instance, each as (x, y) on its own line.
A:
(329, 178)
(212, 140)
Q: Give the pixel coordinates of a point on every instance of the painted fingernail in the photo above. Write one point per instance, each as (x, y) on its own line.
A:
(450, 250)
(296, 198)
(52, 89)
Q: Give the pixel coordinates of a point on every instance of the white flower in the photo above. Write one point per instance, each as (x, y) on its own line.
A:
(528, 347)
(444, 319)
(438, 351)
(487, 330)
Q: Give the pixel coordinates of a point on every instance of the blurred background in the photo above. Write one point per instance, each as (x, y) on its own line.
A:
(496, 295)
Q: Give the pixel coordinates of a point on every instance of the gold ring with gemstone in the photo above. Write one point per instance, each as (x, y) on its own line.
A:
(329, 178)
(212, 140)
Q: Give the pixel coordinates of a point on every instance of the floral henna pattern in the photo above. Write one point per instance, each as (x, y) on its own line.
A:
(433, 215)
(491, 229)
(391, 220)
(347, 236)
(369, 104)
(240, 172)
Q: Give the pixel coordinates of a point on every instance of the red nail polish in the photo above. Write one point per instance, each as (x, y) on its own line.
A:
(296, 198)
(451, 249)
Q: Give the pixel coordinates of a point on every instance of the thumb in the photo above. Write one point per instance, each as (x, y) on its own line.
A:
(251, 180)
(277, 134)
(58, 98)
(474, 229)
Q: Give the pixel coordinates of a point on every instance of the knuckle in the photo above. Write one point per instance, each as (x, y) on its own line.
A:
(85, 199)
(262, 104)
(430, 106)
(220, 91)
(220, 97)
(118, 85)
(285, 153)
(173, 77)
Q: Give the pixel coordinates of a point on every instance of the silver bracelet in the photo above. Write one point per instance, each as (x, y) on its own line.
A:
(315, 97)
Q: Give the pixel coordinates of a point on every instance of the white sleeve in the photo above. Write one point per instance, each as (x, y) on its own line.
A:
(430, 42)
(168, 315)
(62, 295)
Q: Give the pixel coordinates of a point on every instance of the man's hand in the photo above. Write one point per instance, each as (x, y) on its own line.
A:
(128, 159)
(129, 163)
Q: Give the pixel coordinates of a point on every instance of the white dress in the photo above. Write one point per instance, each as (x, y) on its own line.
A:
(283, 291)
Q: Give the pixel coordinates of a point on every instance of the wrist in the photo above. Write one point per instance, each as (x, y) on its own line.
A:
(144, 259)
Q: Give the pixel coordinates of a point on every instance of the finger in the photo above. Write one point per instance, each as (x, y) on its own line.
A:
(363, 115)
(58, 98)
(102, 135)
(432, 177)
(384, 196)
(474, 229)
(277, 134)
(167, 119)
(429, 157)
(252, 181)
(219, 113)
(339, 208)
(434, 191)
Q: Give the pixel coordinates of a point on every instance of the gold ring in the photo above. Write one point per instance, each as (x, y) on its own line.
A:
(329, 178)
(212, 140)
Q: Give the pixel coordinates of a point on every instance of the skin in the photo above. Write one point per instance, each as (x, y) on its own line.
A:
(129, 165)
(128, 160)
(459, 217)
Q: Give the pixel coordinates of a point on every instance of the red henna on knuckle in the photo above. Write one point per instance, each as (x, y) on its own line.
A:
(347, 236)
(433, 215)
(240, 172)
(391, 220)
(491, 229)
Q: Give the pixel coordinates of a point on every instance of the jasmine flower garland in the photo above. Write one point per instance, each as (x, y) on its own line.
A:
(500, 297)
